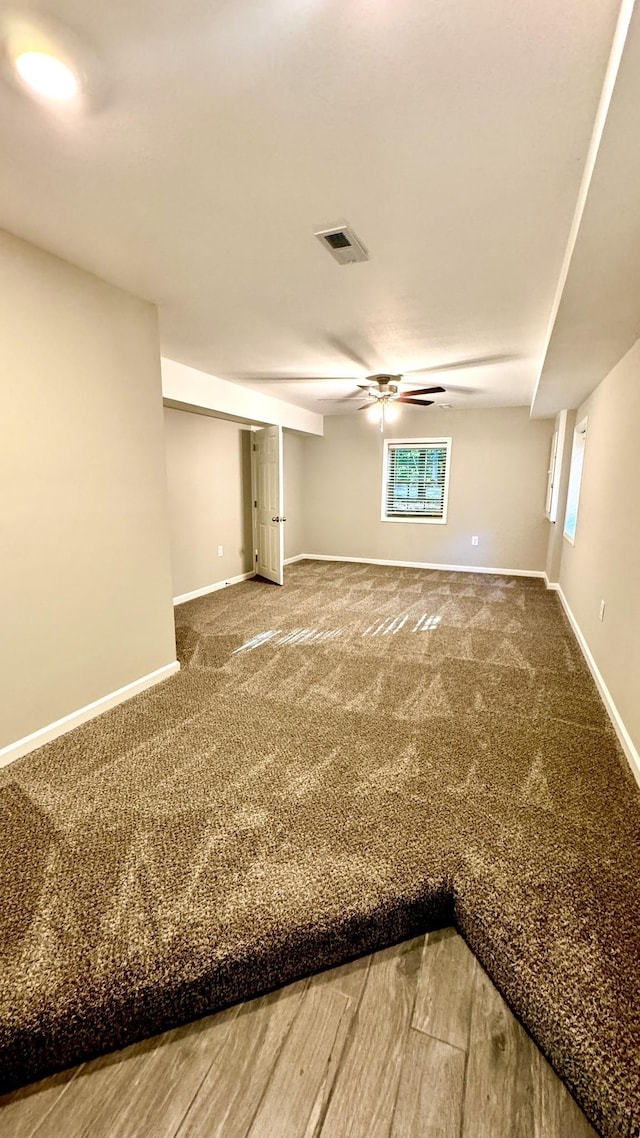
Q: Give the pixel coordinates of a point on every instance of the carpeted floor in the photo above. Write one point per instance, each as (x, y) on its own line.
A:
(355, 758)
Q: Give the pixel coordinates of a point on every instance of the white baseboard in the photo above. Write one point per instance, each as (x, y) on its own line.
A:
(213, 588)
(68, 722)
(626, 742)
(298, 557)
(421, 565)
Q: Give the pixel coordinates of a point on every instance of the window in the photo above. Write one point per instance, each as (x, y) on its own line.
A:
(575, 479)
(415, 481)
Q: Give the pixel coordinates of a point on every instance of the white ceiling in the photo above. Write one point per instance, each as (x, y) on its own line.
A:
(451, 134)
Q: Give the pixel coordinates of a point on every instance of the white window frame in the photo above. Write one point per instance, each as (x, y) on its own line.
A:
(549, 510)
(575, 479)
(439, 442)
(555, 467)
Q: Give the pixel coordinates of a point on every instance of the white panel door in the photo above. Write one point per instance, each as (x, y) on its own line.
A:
(269, 499)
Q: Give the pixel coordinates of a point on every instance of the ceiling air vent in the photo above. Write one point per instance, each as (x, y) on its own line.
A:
(343, 244)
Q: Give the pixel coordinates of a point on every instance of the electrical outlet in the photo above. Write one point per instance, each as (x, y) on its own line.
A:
(474, 541)
(220, 551)
(601, 612)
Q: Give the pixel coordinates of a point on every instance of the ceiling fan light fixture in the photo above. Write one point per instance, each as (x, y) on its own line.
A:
(49, 61)
(47, 75)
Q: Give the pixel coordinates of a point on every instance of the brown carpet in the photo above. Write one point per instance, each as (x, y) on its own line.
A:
(352, 759)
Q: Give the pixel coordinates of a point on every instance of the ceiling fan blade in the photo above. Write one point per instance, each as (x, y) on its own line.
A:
(366, 406)
(347, 350)
(340, 398)
(300, 379)
(425, 390)
(418, 402)
(459, 365)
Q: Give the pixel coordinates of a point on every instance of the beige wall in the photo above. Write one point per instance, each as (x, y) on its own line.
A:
(294, 531)
(497, 491)
(209, 479)
(604, 563)
(84, 573)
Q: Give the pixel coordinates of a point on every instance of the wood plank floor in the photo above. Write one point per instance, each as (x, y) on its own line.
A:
(411, 1042)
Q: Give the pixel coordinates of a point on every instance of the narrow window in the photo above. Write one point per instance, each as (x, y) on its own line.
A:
(575, 481)
(415, 483)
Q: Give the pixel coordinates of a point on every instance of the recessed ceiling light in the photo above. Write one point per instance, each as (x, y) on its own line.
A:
(47, 75)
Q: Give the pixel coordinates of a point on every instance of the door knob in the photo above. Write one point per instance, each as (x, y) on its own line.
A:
(278, 519)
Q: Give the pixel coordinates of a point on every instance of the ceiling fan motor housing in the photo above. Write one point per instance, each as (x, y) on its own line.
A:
(385, 385)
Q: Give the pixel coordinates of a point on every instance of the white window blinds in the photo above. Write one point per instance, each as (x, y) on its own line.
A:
(416, 478)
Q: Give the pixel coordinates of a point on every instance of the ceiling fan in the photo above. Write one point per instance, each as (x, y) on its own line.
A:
(384, 390)
(408, 375)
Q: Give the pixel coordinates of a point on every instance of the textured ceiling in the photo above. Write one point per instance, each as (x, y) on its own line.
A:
(451, 135)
